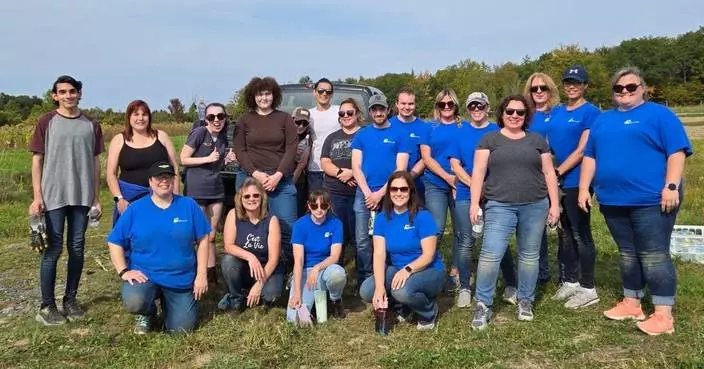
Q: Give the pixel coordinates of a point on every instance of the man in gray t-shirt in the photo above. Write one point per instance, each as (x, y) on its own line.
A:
(65, 180)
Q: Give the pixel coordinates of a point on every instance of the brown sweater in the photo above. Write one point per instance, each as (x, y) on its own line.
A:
(266, 143)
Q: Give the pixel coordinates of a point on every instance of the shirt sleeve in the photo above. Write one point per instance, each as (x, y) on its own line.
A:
(201, 226)
(590, 117)
(357, 142)
(288, 161)
(98, 143)
(325, 151)
(120, 233)
(337, 232)
(672, 132)
(454, 150)
(405, 145)
(380, 222)
(298, 235)
(485, 143)
(196, 138)
(37, 144)
(541, 143)
(425, 134)
(426, 224)
(240, 146)
(589, 150)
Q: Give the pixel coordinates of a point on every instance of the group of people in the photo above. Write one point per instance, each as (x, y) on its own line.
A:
(314, 182)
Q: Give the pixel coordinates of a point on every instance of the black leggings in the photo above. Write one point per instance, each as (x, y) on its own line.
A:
(576, 245)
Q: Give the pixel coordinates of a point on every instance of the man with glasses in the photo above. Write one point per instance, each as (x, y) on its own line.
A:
(323, 119)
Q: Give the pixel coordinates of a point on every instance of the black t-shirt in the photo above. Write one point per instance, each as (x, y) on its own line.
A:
(203, 181)
(515, 171)
(338, 148)
(254, 237)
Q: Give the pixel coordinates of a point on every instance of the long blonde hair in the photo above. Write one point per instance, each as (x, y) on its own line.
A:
(263, 204)
(453, 96)
(554, 93)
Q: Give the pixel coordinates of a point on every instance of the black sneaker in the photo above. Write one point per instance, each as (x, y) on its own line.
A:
(338, 311)
(73, 311)
(50, 315)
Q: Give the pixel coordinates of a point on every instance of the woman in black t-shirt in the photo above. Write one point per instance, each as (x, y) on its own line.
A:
(252, 248)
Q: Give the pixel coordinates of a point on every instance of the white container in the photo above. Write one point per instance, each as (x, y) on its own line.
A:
(687, 243)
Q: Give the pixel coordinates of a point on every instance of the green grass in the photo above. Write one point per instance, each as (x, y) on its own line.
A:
(259, 339)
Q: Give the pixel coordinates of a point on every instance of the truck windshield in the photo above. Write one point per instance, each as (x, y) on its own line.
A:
(293, 98)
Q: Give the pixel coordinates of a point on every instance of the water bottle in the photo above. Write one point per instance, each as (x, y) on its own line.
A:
(93, 217)
(321, 305)
(38, 239)
(382, 319)
(372, 218)
(478, 227)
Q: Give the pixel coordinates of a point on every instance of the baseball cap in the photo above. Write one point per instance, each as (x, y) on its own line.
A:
(161, 167)
(378, 99)
(479, 97)
(301, 113)
(577, 73)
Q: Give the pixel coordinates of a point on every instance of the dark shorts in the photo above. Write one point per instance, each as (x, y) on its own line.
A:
(208, 202)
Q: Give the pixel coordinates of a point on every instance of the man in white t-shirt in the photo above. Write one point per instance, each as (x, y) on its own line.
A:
(324, 121)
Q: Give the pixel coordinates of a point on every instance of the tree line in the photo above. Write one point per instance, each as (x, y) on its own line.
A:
(673, 68)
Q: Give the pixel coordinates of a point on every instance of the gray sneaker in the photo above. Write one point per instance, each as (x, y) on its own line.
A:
(565, 291)
(482, 315)
(73, 311)
(582, 298)
(50, 315)
(426, 325)
(509, 295)
(142, 324)
(228, 303)
(525, 310)
(464, 298)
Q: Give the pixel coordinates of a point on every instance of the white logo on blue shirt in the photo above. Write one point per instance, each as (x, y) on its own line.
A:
(179, 220)
(413, 135)
(408, 227)
(628, 121)
(572, 120)
(547, 119)
(328, 234)
(389, 141)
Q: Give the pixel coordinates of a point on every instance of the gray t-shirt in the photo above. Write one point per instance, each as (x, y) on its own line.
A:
(515, 171)
(203, 182)
(338, 148)
(69, 146)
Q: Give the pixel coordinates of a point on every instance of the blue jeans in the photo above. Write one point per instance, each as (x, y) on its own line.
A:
(315, 180)
(642, 234)
(76, 217)
(464, 241)
(501, 220)
(363, 266)
(438, 201)
(418, 293)
(235, 272)
(332, 279)
(178, 305)
(343, 207)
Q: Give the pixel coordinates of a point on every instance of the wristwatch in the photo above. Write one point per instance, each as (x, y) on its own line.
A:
(408, 269)
(117, 198)
(672, 187)
(122, 272)
(339, 171)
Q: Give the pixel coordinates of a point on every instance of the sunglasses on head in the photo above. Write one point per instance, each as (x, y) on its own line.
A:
(314, 206)
(476, 106)
(443, 105)
(323, 91)
(520, 112)
(211, 117)
(302, 123)
(631, 87)
(539, 88)
(348, 113)
(251, 196)
(402, 189)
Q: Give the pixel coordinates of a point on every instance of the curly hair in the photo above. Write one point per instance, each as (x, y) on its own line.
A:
(502, 107)
(257, 85)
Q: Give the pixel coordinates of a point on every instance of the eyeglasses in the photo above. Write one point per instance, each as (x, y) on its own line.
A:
(211, 117)
(539, 88)
(443, 105)
(631, 87)
(349, 113)
(314, 206)
(323, 91)
(163, 178)
(520, 112)
(402, 189)
(302, 123)
(476, 106)
(251, 196)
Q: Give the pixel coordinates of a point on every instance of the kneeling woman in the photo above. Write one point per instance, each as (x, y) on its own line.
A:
(159, 232)
(252, 249)
(317, 245)
(407, 234)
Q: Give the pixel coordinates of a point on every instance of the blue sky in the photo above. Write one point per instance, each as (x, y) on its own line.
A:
(158, 49)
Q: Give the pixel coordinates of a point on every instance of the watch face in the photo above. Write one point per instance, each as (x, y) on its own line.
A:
(672, 186)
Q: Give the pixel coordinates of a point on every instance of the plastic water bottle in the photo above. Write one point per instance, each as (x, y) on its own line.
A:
(321, 305)
(38, 239)
(382, 319)
(478, 227)
(93, 217)
(372, 218)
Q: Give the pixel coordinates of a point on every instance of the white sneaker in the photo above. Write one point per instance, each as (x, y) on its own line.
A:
(464, 298)
(509, 295)
(582, 298)
(566, 291)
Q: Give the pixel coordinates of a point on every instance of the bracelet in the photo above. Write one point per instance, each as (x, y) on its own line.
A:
(339, 171)
(122, 272)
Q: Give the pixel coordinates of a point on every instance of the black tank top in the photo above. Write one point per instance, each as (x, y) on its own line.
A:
(254, 238)
(134, 163)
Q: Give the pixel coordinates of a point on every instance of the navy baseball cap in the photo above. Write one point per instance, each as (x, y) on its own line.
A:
(576, 72)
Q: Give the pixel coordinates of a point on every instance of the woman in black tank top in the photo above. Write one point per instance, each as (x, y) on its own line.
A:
(252, 240)
(132, 152)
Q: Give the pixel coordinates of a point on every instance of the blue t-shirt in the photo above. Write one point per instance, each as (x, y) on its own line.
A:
(414, 131)
(379, 148)
(403, 238)
(161, 241)
(316, 239)
(565, 130)
(540, 123)
(441, 138)
(631, 150)
(464, 149)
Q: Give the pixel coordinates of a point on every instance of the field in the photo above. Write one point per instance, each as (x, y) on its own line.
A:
(261, 339)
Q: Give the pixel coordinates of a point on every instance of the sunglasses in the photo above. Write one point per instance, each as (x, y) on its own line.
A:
(402, 189)
(324, 92)
(314, 206)
(251, 196)
(572, 82)
(211, 117)
(443, 105)
(520, 112)
(476, 106)
(631, 87)
(539, 88)
(302, 123)
(348, 113)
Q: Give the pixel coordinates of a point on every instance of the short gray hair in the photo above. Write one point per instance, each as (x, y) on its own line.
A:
(630, 70)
